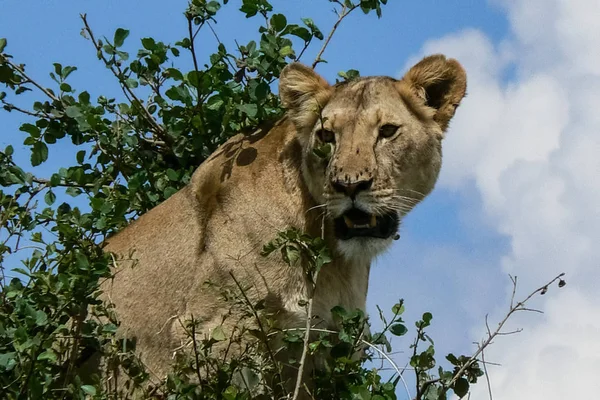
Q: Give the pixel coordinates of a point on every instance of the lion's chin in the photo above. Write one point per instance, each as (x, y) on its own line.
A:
(362, 249)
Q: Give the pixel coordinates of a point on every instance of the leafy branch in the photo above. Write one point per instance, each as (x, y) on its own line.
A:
(115, 68)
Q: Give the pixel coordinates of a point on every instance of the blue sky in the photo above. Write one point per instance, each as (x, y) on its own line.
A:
(519, 187)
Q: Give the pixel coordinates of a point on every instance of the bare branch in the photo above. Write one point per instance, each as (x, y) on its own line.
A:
(343, 14)
(487, 375)
(519, 306)
(309, 307)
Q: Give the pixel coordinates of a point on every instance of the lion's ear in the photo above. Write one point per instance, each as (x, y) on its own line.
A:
(303, 92)
(440, 84)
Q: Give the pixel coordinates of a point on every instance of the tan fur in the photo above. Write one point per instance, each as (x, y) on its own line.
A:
(255, 186)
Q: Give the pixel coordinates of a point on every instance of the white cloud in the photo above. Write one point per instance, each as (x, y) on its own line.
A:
(531, 146)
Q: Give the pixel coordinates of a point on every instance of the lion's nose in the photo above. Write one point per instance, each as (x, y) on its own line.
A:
(352, 188)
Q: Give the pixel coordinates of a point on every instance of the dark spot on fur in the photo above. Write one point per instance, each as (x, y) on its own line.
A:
(246, 156)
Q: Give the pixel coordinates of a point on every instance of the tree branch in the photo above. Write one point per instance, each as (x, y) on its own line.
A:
(131, 96)
(519, 306)
(343, 14)
(21, 71)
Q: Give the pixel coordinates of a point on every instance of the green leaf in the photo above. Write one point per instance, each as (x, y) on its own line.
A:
(73, 191)
(278, 22)
(302, 33)
(9, 150)
(212, 7)
(89, 389)
(286, 51)
(214, 103)
(169, 191)
(218, 334)
(174, 74)
(172, 174)
(57, 69)
(349, 75)
(84, 98)
(7, 360)
(290, 254)
(120, 36)
(398, 308)
(452, 358)
(461, 387)
(248, 109)
(2, 44)
(149, 43)
(131, 83)
(41, 318)
(427, 317)
(39, 153)
(398, 329)
(67, 71)
(82, 261)
(73, 111)
(48, 355)
(50, 197)
(324, 151)
(33, 130)
(80, 156)
(55, 180)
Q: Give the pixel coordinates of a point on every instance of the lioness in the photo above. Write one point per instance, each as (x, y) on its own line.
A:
(386, 138)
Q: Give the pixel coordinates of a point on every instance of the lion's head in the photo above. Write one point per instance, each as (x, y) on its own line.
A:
(372, 146)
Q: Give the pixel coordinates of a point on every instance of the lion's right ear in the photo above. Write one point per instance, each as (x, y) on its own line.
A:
(303, 92)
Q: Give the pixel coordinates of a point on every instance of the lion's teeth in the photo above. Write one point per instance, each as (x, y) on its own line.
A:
(373, 221)
(348, 222)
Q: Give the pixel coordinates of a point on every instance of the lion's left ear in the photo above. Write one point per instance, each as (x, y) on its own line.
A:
(303, 92)
(440, 84)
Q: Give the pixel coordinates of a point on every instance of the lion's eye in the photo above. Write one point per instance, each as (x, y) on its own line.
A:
(326, 136)
(388, 130)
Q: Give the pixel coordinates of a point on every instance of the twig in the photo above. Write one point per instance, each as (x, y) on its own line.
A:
(196, 352)
(309, 307)
(29, 80)
(420, 388)
(259, 322)
(487, 376)
(343, 14)
(519, 306)
(193, 50)
(227, 60)
(47, 183)
(10, 107)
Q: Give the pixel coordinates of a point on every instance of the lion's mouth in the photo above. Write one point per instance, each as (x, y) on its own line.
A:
(357, 223)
